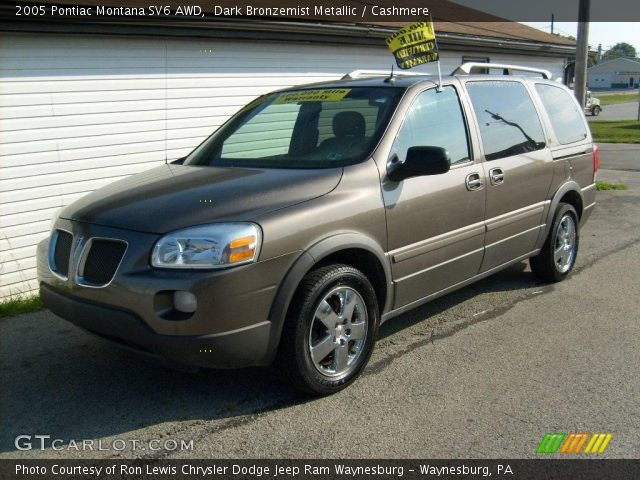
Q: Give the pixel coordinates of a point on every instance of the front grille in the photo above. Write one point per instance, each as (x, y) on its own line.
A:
(61, 252)
(102, 261)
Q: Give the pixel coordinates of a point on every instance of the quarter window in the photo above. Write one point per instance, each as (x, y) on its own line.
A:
(508, 120)
(435, 119)
(566, 119)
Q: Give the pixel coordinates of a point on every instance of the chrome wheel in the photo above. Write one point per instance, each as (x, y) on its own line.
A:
(338, 332)
(565, 244)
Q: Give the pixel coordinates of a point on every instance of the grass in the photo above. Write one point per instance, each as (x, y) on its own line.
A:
(619, 98)
(618, 131)
(20, 304)
(609, 186)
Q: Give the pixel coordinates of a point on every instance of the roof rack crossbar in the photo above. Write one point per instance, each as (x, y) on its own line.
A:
(378, 73)
(469, 67)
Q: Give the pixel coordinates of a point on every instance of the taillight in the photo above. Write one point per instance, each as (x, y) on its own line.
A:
(596, 160)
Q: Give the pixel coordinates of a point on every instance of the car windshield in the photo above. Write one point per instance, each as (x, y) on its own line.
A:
(311, 128)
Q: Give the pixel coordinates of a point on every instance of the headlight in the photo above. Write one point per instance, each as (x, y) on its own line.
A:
(218, 245)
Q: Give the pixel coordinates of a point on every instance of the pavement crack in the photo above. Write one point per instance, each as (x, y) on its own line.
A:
(593, 259)
(380, 365)
(204, 429)
(230, 423)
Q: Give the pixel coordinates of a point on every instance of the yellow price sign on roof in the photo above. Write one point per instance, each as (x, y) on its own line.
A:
(414, 44)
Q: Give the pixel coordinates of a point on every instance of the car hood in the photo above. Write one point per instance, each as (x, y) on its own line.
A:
(171, 197)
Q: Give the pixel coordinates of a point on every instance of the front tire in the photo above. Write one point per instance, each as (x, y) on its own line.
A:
(595, 111)
(558, 255)
(330, 330)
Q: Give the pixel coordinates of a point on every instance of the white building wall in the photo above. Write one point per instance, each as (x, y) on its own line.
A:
(78, 112)
(599, 80)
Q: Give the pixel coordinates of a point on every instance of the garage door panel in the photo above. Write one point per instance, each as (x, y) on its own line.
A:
(174, 127)
(79, 120)
(130, 95)
(22, 241)
(20, 155)
(153, 159)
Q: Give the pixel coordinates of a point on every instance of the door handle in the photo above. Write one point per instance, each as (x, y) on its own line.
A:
(474, 181)
(496, 175)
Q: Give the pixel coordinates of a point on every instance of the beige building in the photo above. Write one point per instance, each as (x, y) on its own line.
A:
(616, 73)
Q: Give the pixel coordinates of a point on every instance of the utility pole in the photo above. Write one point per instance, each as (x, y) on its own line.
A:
(582, 51)
(552, 22)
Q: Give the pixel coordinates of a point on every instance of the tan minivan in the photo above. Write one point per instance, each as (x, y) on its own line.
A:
(318, 212)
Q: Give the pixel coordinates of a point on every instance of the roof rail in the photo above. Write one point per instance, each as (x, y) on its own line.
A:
(378, 73)
(473, 67)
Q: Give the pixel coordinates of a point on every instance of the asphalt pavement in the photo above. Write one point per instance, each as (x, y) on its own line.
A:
(620, 156)
(617, 111)
(483, 372)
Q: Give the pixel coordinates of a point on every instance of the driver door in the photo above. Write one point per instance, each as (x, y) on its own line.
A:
(435, 223)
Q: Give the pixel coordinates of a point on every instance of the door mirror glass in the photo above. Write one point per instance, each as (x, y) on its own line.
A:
(420, 161)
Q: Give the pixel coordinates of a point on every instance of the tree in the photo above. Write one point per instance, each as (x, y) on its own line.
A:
(621, 49)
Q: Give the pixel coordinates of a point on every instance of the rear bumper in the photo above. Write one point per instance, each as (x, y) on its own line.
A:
(588, 201)
(240, 348)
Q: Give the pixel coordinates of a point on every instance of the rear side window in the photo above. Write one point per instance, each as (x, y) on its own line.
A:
(508, 120)
(435, 119)
(566, 119)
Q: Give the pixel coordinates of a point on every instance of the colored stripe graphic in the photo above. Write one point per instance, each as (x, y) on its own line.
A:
(550, 443)
(598, 443)
(572, 443)
(581, 443)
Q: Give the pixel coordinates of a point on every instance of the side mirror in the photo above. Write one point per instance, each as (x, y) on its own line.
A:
(420, 161)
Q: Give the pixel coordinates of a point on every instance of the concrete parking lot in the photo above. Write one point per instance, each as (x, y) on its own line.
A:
(483, 372)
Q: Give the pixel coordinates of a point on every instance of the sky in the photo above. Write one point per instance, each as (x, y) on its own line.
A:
(606, 33)
(612, 20)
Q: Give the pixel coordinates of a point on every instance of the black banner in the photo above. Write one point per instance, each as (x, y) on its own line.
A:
(350, 11)
(318, 469)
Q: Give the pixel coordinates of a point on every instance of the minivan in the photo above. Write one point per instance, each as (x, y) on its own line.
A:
(318, 212)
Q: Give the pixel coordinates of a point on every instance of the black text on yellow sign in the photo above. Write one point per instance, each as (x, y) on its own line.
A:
(324, 95)
(414, 45)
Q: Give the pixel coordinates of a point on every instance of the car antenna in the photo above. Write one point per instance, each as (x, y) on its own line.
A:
(391, 78)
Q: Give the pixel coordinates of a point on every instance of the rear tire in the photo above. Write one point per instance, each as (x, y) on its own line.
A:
(555, 261)
(330, 330)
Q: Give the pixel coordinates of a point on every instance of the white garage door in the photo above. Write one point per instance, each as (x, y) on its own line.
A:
(78, 112)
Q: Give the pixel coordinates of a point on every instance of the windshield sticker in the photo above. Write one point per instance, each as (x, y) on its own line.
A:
(325, 95)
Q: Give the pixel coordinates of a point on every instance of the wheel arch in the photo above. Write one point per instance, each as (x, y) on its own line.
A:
(569, 192)
(355, 249)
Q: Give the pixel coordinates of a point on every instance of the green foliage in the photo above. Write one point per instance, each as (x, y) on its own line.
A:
(609, 186)
(619, 131)
(618, 98)
(621, 49)
(20, 304)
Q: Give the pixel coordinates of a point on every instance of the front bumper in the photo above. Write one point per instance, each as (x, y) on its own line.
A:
(241, 348)
(230, 328)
